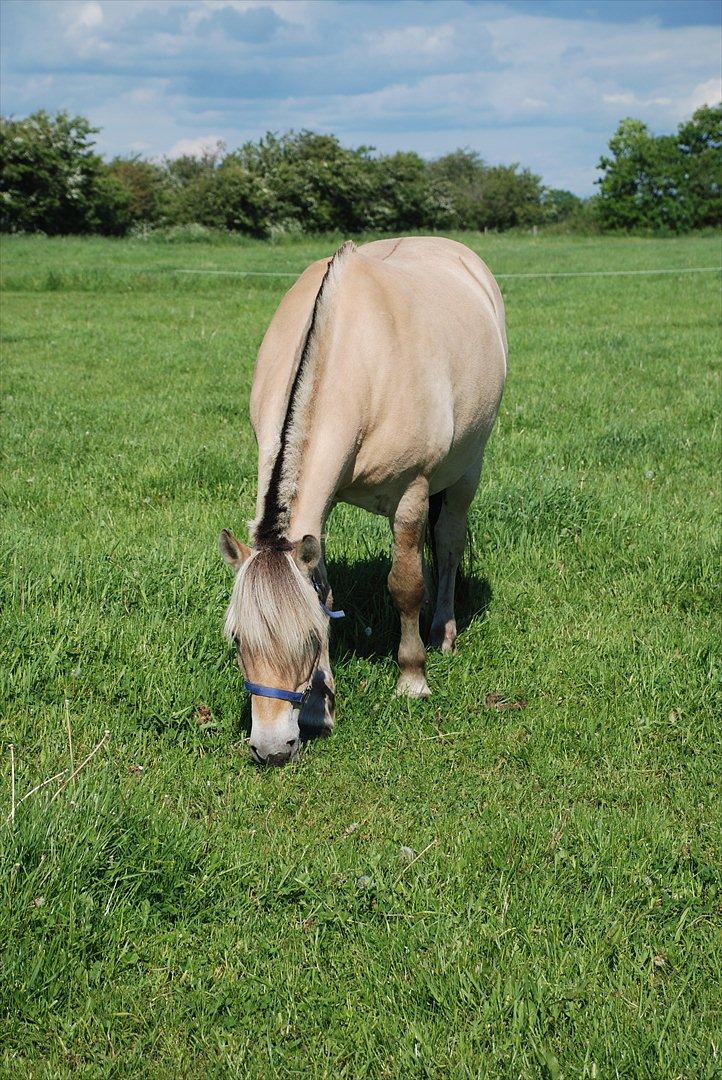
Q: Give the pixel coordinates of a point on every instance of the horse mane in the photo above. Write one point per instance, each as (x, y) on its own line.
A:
(271, 528)
(274, 610)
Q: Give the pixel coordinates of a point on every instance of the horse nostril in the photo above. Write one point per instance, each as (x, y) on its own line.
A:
(291, 742)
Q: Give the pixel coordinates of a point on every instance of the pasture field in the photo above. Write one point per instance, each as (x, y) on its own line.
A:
(172, 911)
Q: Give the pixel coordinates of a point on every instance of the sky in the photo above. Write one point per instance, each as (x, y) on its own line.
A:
(540, 82)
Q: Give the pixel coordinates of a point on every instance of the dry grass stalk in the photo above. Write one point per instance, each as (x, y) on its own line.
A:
(82, 765)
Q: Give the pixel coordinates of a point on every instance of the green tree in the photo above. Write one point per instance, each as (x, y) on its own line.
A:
(640, 185)
(699, 142)
(309, 181)
(664, 181)
(488, 196)
(143, 184)
(559, 205)
(188, 193)
(52, 180)
(300, 180)
(510, 196)
(460, 175)
(405, 195)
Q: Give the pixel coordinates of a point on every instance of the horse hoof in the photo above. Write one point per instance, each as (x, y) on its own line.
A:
(413, 686)
(443, 637)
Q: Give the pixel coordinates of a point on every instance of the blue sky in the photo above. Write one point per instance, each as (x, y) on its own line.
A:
(542, 82)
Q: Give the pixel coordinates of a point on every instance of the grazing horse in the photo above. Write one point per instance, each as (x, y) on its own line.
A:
(377, 383)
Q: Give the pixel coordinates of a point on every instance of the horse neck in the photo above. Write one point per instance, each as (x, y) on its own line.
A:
(321, 474)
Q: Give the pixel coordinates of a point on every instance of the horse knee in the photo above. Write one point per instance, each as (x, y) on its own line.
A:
(406, 586)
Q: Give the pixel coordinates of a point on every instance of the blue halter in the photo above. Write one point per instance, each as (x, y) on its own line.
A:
(296, 697)
(332, 614)
(259, 690)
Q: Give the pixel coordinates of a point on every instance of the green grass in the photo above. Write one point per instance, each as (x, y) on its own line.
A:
(174, 912)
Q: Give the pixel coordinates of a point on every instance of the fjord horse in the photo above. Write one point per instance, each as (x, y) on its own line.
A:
(377, 383)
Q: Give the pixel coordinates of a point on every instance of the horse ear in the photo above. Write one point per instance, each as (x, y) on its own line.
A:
(233, 551)
(307, 552)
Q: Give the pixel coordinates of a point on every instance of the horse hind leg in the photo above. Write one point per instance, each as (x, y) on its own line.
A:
(406, 585)
(449, 541)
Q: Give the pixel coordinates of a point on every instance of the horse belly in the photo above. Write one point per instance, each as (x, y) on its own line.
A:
(441, 442)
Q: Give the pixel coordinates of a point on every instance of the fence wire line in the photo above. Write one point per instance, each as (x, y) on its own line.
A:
(501, 276)
(540, 274)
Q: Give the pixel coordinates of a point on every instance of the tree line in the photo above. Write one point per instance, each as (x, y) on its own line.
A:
(54, 181)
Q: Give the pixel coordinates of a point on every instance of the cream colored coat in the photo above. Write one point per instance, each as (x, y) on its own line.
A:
(408, 378)
(397, 393)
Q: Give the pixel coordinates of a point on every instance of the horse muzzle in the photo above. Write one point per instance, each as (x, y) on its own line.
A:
(275, 757)
(275, 735)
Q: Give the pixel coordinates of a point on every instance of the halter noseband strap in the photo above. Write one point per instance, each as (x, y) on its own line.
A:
(296, 697)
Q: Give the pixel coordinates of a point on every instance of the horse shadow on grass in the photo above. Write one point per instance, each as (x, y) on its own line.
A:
(371, 628)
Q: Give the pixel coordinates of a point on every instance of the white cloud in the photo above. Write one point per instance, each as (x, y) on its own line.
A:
(143, 95)
(194, 147)
(83, 23)
(88, 16)
(626, 99)
(409, 42)
(516, 86)
(619, 99)
(707, 93)
(291, 11)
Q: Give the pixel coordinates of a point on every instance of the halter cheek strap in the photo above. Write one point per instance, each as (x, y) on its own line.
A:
(322, 597)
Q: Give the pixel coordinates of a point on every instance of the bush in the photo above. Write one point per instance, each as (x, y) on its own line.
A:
(581, 219)
(303, 182)
(558, 205)
(142, 183)
(663, 182)
(53, 182)
(484, 196)
(191, 233)
(404, 195)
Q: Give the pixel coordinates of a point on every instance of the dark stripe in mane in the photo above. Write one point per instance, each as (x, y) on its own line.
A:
(270, 530)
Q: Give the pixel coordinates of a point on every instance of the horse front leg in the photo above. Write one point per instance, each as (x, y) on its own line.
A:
(319, 712)
(406, 585)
